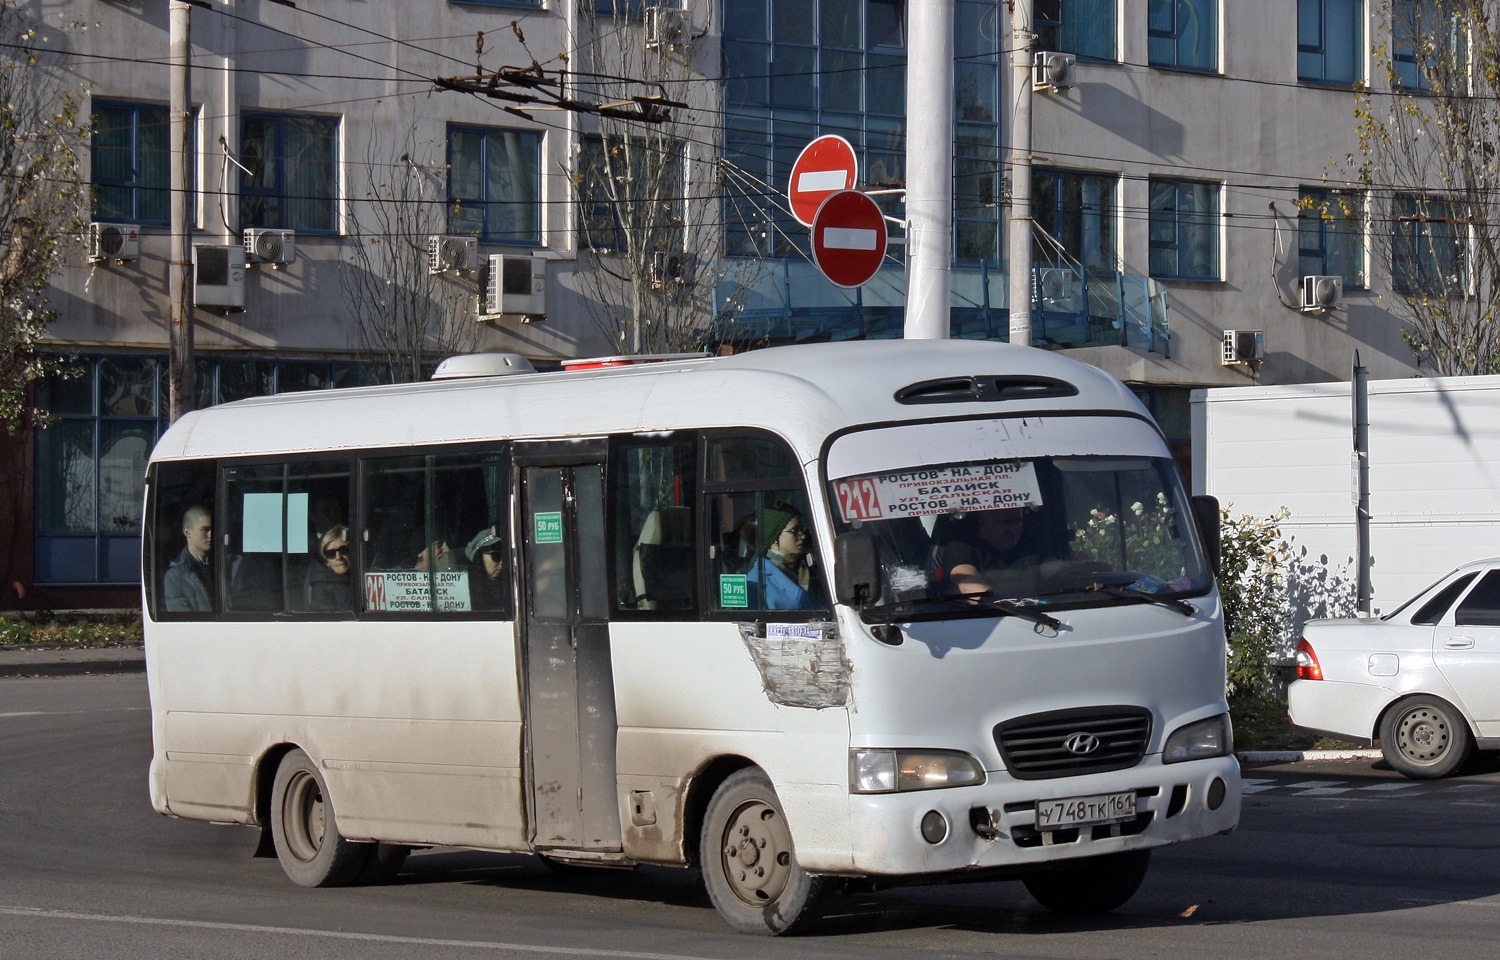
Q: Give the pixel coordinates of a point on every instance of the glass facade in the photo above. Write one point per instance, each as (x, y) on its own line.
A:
(798, 69)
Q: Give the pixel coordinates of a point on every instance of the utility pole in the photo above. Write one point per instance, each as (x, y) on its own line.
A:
(1359, 392)
(929, 169)
(179, 289)
(1018, 242)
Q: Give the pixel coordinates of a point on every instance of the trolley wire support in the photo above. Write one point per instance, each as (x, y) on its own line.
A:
(547, 90)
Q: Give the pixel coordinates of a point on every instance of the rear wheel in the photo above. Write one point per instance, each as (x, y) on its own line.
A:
(308, 843)
(749, 866)
(1091, 885)
(1425, 738)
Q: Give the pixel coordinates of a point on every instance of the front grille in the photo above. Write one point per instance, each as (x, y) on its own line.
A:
(1036, 747)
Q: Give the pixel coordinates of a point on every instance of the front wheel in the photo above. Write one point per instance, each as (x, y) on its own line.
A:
(748, 864)
(308, 843)
(1092, 885)
(1425, 738)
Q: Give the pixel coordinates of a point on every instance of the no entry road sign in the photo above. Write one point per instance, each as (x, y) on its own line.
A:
(824, 167)
(848, 234)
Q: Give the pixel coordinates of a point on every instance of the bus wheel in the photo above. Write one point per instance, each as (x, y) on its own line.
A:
(308, 843)
(748, 864)
(1091, 885)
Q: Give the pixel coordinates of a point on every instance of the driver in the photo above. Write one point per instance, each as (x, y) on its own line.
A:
(987, 542)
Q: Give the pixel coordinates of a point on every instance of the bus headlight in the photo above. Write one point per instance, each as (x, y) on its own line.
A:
(1203, 738)
(893, 771)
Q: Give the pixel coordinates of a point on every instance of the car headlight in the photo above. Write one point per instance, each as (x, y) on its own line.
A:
(892, 771)
(1213, 737)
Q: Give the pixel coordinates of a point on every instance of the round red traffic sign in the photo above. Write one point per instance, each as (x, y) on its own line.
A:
(848, 238)
(824, 167)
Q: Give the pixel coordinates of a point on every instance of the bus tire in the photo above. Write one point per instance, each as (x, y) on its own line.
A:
(748, 864)
(303, 823)
(1091, 885)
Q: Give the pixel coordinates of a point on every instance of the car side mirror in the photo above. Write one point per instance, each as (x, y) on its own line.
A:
(857, 579)
(1206, 517)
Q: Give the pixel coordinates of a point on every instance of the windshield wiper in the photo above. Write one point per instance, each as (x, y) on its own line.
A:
(1130, 593)
(968, 601)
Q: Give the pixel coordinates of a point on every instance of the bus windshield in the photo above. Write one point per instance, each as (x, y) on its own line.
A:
(1062, 531)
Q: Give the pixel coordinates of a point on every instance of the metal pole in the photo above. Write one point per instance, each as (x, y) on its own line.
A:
(1359, 391)
(1018, 242)
(929, 169)
(179, 288)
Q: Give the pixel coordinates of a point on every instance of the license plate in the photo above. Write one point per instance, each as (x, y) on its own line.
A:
(1085, 811)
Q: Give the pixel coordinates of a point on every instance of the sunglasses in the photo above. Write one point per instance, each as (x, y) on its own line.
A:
(331, 552)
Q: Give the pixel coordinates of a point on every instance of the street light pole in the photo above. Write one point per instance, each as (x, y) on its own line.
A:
(1018, 244)
(179, 290)
(929, 169)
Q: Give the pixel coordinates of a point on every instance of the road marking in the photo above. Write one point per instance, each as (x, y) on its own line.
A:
(46, 914)
(23, 713)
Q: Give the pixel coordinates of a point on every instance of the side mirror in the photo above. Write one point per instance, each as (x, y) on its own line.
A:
(1206, 516)
(858, 573)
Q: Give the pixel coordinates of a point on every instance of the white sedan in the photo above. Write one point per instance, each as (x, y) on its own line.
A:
(1424, 681)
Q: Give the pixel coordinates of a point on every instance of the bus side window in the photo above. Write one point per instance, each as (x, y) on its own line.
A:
(653, 533)
(277, 560)
(182, 539)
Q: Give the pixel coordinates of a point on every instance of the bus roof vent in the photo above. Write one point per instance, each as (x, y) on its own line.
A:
(985, 389)
(482, 365)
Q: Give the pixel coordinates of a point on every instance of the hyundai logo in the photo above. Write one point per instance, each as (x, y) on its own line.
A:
(1081, 743)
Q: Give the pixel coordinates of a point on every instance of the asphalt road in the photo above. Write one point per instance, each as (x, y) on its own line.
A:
(1331, 860)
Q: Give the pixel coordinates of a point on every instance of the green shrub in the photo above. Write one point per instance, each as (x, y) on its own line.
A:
(72, 630)
(1257, 606)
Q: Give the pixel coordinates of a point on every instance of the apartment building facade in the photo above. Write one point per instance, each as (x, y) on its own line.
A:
(1173, 173)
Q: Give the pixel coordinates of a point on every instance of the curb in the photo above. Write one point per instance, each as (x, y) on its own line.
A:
(1296, 756)
(67, 663)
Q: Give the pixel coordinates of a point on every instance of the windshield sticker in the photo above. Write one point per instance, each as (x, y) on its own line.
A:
(936, 490)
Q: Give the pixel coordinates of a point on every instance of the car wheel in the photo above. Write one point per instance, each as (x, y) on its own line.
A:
(308, 843)
(1425, 738)
(1091, 885)
(747, 861)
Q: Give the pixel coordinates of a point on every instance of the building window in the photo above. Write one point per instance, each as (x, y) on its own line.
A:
(1184, 229)
(1082, 27)
(1427, 249)
(1075, 212)
(796, 69)
(495, 184)
(89, 468)
(132, 173)
(1330, 41)
(290, 175)
(1427, 47)
(1184, 34)
(1330, 241)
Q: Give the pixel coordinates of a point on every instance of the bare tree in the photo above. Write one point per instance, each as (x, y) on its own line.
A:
(1428, 161)
(401, 311)
(648, 246)
(42, 204)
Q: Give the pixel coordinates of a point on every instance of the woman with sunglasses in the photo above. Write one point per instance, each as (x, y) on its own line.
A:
(328, 580)
(781, 577)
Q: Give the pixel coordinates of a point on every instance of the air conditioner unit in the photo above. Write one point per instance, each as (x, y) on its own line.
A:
(270, 246)
(1243, 346)
(1060, 289)
(517, 286)
(219, 277)
(665, 27)
(114, 241)
(455, 254)
(1322, 293)
(1052, 71)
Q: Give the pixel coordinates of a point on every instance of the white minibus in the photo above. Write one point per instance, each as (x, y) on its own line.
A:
(807, 619)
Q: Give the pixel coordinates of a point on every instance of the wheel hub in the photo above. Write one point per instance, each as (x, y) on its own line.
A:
(1423, 737)
(757, 853)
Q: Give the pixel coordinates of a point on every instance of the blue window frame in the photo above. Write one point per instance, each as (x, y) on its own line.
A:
(797, 69)
(1330, 41)
(495, 184)
(1183, 34)
(1184, 229)
(1427, 41)
(131, 163)
(1085, 28)
(292, 178)
(1330, 239)
(1428, 247)
(1079, 211)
